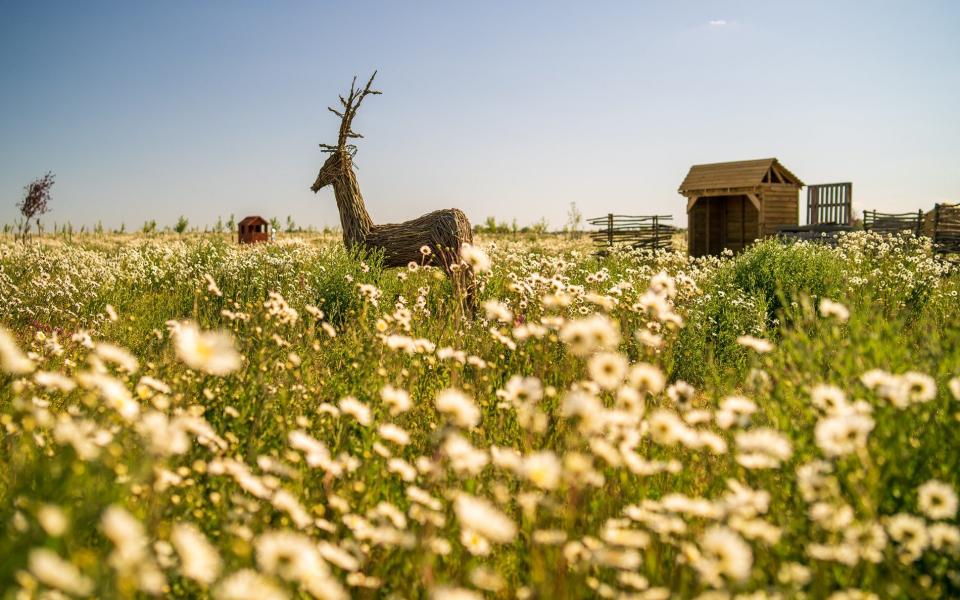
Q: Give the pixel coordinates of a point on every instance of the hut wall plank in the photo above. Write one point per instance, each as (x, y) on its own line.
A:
(715, 220)
(781, 210)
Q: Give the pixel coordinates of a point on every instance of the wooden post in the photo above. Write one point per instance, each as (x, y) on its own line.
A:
(762, 218)
(919, 222)
(743, 222)
(709, 202)
(848, 209)
(610, 229)
(656, 234)
(936, 226)
(813, 202)
(724, 216)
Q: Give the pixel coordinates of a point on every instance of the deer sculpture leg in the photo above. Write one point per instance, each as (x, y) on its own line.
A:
(461, 277)
(448, 235)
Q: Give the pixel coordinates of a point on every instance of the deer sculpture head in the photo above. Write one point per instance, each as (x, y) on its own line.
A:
(336, 165)
(340, 161)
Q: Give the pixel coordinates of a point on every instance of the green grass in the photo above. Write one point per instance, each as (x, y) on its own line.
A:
(904, 310)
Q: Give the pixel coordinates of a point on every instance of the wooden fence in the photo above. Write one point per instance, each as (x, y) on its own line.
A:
(893, 222)
(823, 233)
(829, 203)
(946, 229)
(653, 232)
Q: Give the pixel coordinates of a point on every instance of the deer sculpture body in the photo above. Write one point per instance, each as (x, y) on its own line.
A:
(443, 232)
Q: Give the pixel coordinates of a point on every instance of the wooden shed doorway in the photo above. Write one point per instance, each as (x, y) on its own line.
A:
(719, 222)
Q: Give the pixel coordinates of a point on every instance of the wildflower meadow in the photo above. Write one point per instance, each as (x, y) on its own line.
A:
(185, 417)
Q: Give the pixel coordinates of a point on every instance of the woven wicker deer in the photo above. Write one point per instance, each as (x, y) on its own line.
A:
(442, 231)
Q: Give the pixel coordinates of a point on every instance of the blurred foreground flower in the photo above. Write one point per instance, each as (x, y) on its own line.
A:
(479, 515)
(12, 360)
(212, 352)
(937, 500)
(450, 593)
(47, 566)
(758, 345)
(475, 258)
(829, 308)
(200, 560)
(460, 407)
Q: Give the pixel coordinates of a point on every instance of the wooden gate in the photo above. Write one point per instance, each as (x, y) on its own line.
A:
(829, 203)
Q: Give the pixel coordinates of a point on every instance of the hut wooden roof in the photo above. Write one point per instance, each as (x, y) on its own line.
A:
(254, 220)
(737, 174)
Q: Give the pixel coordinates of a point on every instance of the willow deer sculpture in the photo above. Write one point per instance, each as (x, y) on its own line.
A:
(444, 231)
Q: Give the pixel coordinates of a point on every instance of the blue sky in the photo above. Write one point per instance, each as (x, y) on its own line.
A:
(149, 110)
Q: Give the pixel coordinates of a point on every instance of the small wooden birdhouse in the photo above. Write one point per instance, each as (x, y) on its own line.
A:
(253, 229)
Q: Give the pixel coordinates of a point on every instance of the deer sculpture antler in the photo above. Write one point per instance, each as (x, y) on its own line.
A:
(350, 106)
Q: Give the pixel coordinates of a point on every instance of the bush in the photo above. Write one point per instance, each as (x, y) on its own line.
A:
(746, 296)
(780, 274)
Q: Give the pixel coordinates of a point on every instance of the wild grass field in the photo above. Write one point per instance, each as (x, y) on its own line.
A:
(186, 417)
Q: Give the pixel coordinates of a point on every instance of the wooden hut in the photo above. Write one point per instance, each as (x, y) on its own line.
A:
(729, 205)
(253, 229)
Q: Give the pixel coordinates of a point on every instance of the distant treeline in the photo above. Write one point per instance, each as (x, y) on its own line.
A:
(181, 226)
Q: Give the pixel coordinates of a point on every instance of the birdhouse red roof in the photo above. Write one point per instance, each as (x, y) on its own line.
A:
(254, 220)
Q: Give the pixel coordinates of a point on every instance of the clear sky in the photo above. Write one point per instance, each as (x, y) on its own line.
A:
(149, 110)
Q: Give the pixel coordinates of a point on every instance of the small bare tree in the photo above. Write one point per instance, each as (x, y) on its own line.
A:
(574, 218)
(36, 202)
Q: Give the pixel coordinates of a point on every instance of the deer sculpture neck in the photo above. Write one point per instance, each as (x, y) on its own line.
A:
(354, 218)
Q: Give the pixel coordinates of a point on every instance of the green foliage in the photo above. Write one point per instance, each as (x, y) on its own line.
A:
(490, 225)
(746, 296)
(759, 291)
(182, 224)
(779, 274)
(707, 346)
(540, 227)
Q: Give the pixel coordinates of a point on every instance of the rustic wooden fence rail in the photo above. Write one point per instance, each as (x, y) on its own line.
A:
(829, 203)
(893, 222)
(823, 233)
(653, 232)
